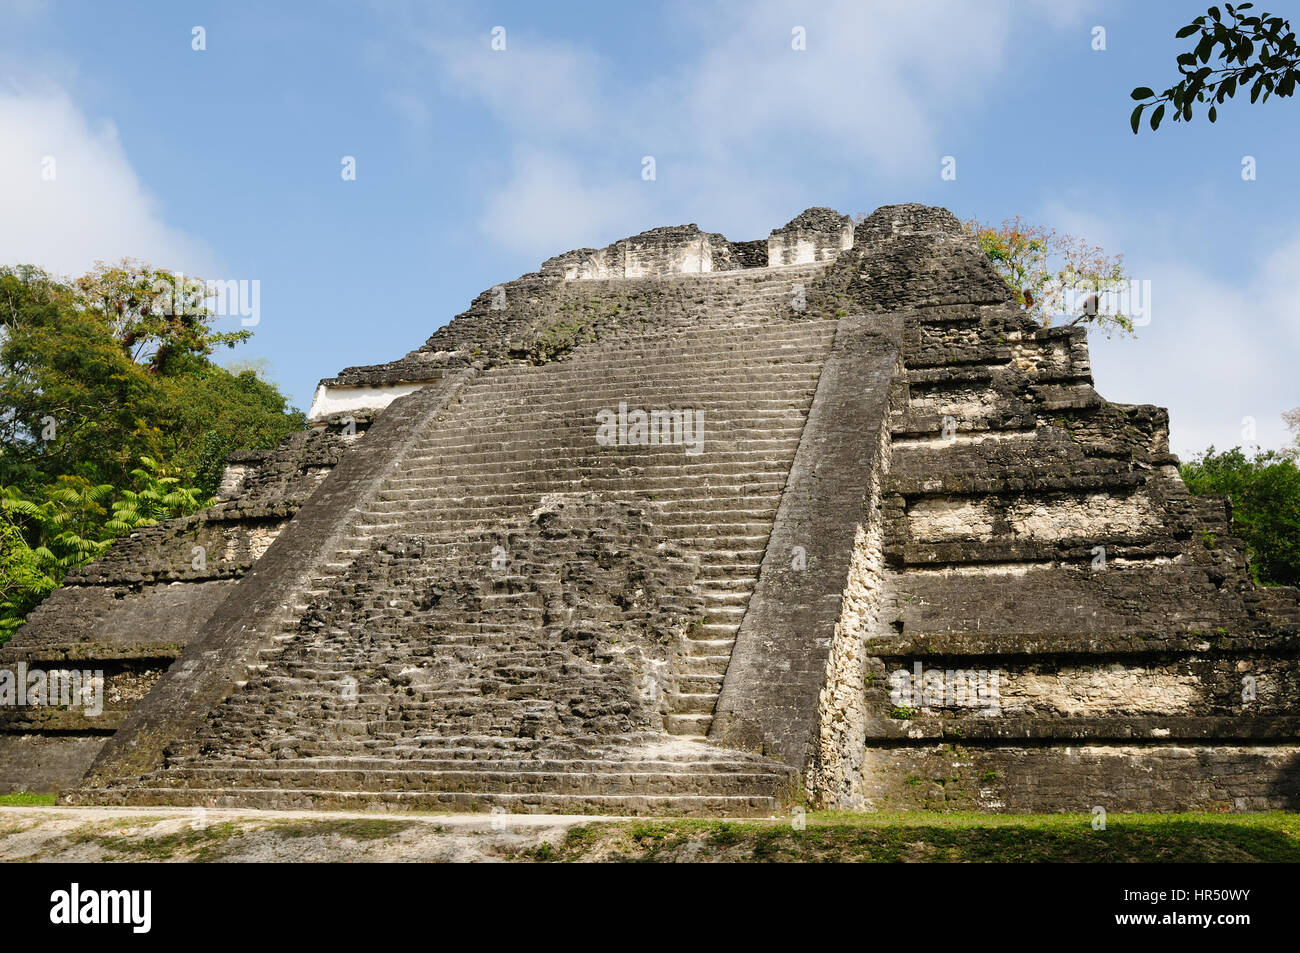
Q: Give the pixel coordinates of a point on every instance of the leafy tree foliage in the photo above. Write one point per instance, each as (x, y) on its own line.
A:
(154, 314)
(49, 531)
(1259, 52)
(1265, 494)
(95, 375)
(112, 415)
(23, 583)
(1045, 270)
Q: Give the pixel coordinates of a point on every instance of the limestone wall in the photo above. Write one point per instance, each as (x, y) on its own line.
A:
(1061, 625)
(819, 234)
(129, 614)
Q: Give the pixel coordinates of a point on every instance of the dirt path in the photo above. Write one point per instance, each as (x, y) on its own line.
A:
(189, 834)
(198, 834)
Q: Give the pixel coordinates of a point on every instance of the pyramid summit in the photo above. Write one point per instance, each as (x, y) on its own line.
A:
(865, 534)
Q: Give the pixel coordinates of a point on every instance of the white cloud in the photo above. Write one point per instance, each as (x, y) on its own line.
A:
(731, 130)
(95, 207)
(871, 87)
(534, 84)
(548, 207)
(1218, 350)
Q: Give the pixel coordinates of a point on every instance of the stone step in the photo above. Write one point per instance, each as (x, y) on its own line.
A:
(775, 359)
(711, 648)
(455, 801)
(679, 491)
(590, 460)
(693, 704)
(581, 395)
(469, 754)
(614, 475)
(710, 666)
(701, 511)
(734, 410)
(740, 536)
(719, 598)
(412, 780)
(676, 343)
(700, 684)
(713, 444)
(696, 726)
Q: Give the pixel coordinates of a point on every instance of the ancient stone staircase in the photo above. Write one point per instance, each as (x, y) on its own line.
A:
(509, 441)
(470, 704)
(432, 680)
(722, 300)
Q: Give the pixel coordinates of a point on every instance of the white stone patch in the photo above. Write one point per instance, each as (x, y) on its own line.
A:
(1143, 562)
(963, 439)
(978, 569)
(260, 540)
(692, 258)
(627, 260)
(1081, 692)
(801, 247)
(969, 409)
(232, 480)
(342, 400)
(1096, 516)
(1032, 356)
(936, 519)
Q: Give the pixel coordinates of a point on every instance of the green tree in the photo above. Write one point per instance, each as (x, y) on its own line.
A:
(154, 497)
(155, 315)
(95, 376)
(54, 529)
(112, 415)
(1265, 494)
(1256, 51)
(23, 583)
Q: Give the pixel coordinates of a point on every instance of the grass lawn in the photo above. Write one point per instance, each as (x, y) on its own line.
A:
(940, 837)
(27, 800)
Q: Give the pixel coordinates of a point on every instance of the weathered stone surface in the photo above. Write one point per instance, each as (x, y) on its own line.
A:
(518, 437)
(1004, 597)
(817, 234)
(769, 699)
(42, 763)
(1039, 542)
(131, 612)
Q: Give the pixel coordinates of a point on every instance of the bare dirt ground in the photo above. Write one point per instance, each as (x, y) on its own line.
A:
(192, 834)
(52, 833)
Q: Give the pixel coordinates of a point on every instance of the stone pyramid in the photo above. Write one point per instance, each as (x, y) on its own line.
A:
(692, 526)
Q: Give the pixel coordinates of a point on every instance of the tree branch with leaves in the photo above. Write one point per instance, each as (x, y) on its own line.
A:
(1259, 52)
(1056, 276)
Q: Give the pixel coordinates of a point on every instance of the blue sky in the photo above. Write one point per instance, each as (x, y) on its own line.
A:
(474, 165)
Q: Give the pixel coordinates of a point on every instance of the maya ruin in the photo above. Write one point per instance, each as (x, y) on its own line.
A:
(687, 525)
